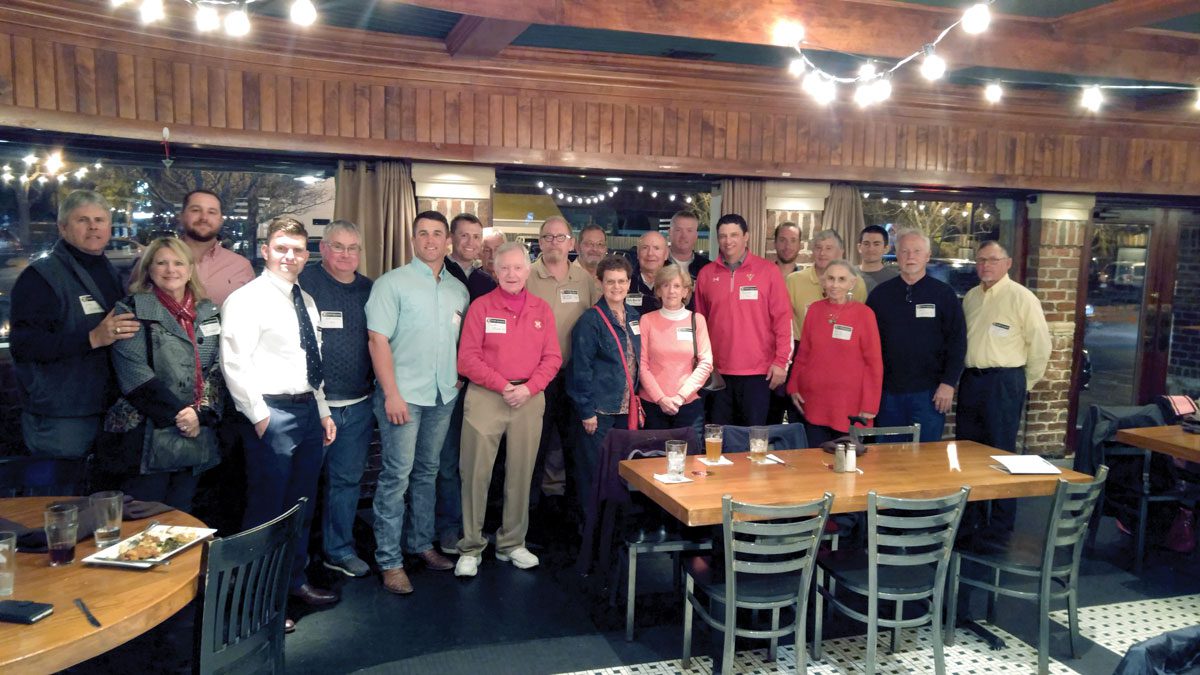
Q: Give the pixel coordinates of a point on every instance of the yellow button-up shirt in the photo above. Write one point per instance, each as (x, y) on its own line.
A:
(1006, 328)
(568, 299)
(804, 288)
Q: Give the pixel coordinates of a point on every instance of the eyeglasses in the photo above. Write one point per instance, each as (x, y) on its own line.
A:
(990, 261)
(556, 238)
(352, 250)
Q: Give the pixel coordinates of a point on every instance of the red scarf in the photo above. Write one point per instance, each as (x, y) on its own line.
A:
(185, 313)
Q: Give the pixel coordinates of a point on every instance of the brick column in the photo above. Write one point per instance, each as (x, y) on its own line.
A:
(1058, 230)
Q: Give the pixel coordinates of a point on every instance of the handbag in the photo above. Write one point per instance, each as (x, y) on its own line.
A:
(637, 417)
(715, 381)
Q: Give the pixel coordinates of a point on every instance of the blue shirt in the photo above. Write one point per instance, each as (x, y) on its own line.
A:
(421, 317)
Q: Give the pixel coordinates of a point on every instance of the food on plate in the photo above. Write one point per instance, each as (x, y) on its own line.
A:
(154, 545)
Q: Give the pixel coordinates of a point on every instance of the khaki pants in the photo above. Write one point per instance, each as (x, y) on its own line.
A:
(486, 419)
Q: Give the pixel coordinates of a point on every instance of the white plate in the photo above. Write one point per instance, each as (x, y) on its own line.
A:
(109, 555)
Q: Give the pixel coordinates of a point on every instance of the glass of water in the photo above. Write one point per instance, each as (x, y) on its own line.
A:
(676, 454)
(106, 509)
(758, 444)
(8, 562)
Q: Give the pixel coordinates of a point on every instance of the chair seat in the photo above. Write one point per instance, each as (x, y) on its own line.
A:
(851, 568)
(1019, 551)
(755, 588)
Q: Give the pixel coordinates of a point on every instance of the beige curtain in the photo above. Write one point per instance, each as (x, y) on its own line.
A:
(844, 215)
(745, 197)
(380, 198)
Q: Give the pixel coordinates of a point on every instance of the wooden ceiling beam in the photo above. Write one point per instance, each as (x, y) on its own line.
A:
(482, 37)
(873, 28)
(1121, 15)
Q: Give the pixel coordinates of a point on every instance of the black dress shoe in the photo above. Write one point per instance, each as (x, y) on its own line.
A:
(289, 626)
(310, 595)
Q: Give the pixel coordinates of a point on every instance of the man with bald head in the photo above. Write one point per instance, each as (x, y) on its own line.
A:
(568, 289)
(651, 256)
(924, 340)
(1008, 347)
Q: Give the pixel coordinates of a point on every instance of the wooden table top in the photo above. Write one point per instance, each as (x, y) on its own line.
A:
(127, 602)
(911, 470)
(1172, 440)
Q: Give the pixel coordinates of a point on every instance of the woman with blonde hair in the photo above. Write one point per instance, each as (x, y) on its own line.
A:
(676, 356)
(161, 431)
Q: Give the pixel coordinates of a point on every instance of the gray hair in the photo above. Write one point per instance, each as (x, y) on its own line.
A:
(512, 246)
(489, 232)
(79, 198)
(913, 232)
(343, 226)
(844, 263)
(558, 219)
(828, 234)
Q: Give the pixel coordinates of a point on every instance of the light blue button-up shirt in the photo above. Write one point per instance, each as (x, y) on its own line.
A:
(421, 317)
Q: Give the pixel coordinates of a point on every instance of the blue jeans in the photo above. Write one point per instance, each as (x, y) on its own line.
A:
(448, 512)
(897, 410)
(282, 467)
(345, 460)
(411, 454)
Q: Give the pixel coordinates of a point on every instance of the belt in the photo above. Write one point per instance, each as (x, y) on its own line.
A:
(986, 371)
(516, 383)
(289, 398)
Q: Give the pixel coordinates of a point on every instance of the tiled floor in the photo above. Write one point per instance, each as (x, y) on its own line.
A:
(1117, 626)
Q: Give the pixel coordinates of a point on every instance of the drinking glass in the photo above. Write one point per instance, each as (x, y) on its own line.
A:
(106, 509)
(676, 454)
(758, 444)
(8, 562)
(62, 528)
(714, 436)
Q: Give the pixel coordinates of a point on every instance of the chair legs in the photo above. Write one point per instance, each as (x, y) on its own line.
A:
(952, 599)
(939, 658)
(687, 625)
(818, 618)
(1140, 550)
(630, 586)
(772, 648)
(1073, 620)
(872, 634)
(896, 631)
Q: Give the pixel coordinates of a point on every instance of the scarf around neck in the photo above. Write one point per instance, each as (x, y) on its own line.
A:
(185, 313)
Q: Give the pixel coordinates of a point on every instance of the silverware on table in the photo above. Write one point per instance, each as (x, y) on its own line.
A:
(87, 613)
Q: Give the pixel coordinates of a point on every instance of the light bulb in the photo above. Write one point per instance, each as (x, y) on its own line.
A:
(976, 19)
(866, 71)
(615, 188)
(811, 82)
(1198, 99)
(993, 93)
(151, 11)
(863, 95)
(934, 66)
(639, 188)
(986, 216)
(570, 199)
(654, 195)
(97, 165)
(560, 195)
(549, 191)
(1092, 99)
(920, 207)
(54, 163)
(303, 13)
(945, 210)
(541, 184)
(866, 195)
(671, 198)
(237, 23)
(118, 3)
(904, 205)
(884, 200)
(207, 18)
(882, 89)
(826, 91)
(796, 67)
(29, 159)
(787, 33)
(688, 200)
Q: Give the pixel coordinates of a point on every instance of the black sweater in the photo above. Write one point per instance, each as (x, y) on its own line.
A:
(919, 352)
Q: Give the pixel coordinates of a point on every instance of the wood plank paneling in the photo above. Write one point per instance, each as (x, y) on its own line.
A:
(181, 76)
(23, 72)
(43, 62)
(267, 101)
(251, 101)
(164, 92)
(362, 110)
(85, 80)
(6, 70)
(64, 64)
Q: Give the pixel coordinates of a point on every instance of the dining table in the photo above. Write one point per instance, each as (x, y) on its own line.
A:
(125, 602)
(1170, 440)
(908, 470)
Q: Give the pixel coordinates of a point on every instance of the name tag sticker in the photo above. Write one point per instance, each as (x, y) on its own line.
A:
(499, 326)
(331, 319)
(210, 328)
(927, 311)
(999, 329)
(456, 320)
(841, 332)
(634, 299)
(568, 296)
(90, 306)
(748, 293)
(683, 334)
(635, 328)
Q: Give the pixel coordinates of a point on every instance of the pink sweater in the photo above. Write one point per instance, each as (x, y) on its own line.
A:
(666, 368)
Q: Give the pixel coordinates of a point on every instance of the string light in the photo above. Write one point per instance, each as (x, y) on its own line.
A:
(151, 11)
(993, 93)
(934, 66)
(796, 68)
(304, 13)
(1198, 99)
(1092, 99)
(976, 19)
(237, 23)
(207, 18)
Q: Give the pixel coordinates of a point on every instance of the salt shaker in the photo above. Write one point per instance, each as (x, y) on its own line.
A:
(839, 458)
(851, 459)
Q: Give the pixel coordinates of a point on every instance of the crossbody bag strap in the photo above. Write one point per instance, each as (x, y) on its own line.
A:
(633, 414)
(695, 347)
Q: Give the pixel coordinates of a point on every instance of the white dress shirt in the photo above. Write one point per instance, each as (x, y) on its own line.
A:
(260, 345)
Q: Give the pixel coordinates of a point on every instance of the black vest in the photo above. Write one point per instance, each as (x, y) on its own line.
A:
(75, 386)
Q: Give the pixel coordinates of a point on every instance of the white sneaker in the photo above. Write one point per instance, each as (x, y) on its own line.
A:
(520, 557)
(467, 566)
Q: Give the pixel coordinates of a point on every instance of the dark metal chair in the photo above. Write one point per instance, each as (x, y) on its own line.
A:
(1051, 559)
(779, 437)
(913, 431)
(242, 596)
(906, 560)
(768, 565)
(43, 476)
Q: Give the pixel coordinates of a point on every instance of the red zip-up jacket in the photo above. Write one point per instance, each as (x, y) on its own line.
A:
(498, 347)
(749, 315)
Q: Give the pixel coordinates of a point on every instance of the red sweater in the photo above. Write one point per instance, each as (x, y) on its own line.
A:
(498, 347)
(749, 315)
(838, 377)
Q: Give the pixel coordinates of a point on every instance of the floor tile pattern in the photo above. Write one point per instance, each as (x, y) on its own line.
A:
(1118, 626)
